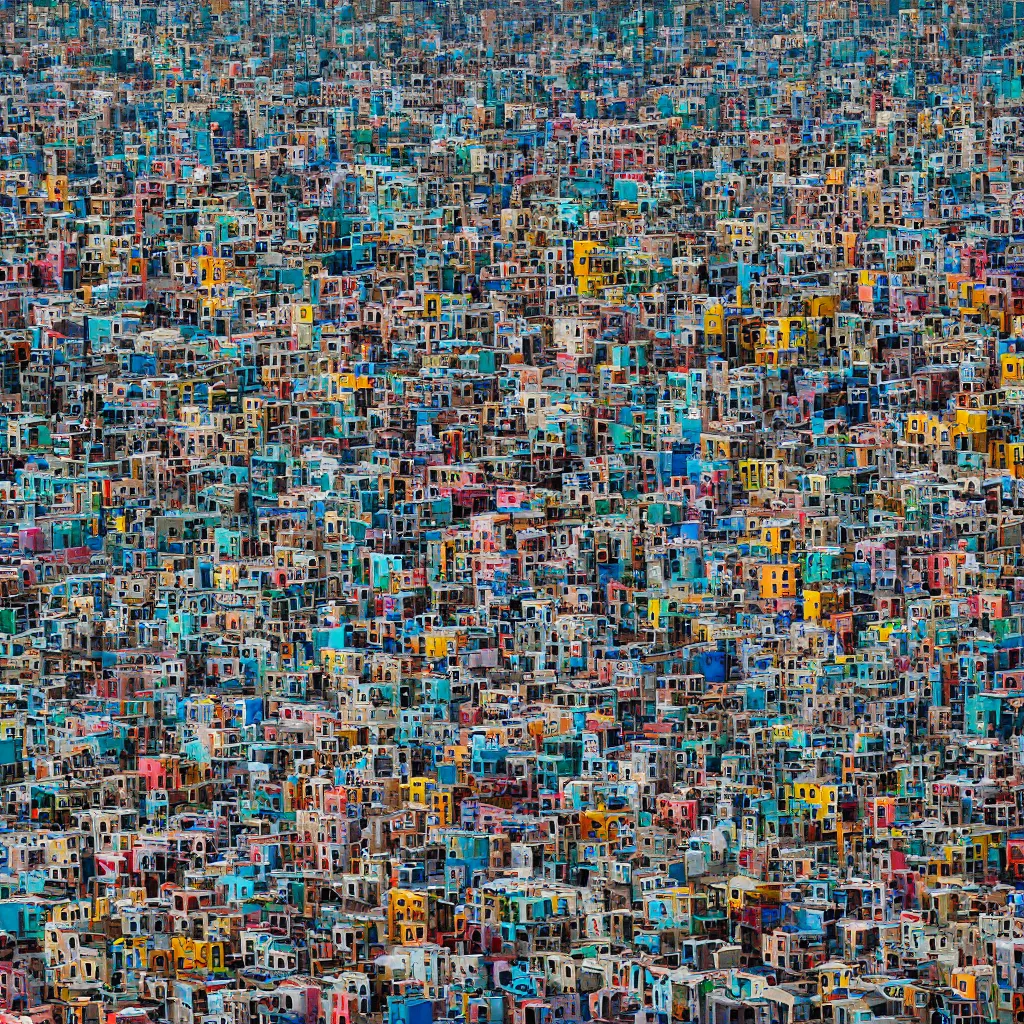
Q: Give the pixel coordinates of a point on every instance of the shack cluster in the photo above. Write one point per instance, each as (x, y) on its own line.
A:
(511, 513)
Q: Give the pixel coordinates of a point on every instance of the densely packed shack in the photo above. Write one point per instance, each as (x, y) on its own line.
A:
(511, 512)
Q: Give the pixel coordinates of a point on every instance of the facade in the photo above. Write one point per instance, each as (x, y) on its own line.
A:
(511, 513)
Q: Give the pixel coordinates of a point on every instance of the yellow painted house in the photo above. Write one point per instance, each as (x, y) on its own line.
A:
(1011, 368)
(968, 431)
(820, 603)
(778, 581)
(408, 911)
(595, 268)
(603, 825)
(833, 977)
(195, 955)
(760, 474)
(822, 800)
(421, 791)
(778, 538)
(714, 326)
